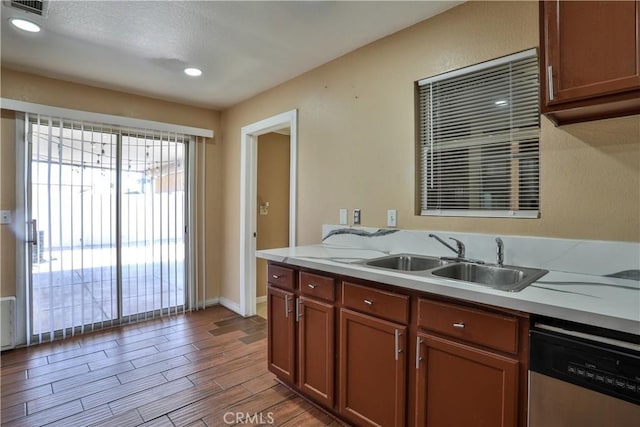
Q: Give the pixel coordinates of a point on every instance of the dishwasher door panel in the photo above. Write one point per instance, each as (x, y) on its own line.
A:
(555, 403)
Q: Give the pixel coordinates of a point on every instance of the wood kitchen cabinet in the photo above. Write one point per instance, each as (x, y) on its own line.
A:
(373, 356)
(466, 367)
(590, 59)
(302, 332)
(316, 337)
(281, 332)
(372, 370)
(460, 385)
(378, 355)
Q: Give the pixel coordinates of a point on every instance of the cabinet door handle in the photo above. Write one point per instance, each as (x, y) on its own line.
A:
(418, 358)
(312, 286)
(397, 343)
(298, 311)
(286, 305)
(368, 302)
(550, 81)
(459, 325)
(275, 276)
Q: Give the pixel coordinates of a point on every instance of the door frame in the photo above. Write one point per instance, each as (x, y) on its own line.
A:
(248, 198)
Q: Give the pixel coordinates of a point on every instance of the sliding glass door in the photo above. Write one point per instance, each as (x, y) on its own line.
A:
(107, 214)
(153, 224)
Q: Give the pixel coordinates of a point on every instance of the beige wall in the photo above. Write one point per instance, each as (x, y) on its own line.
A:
(42, 90)
(273, 187)
(356, 142)
(7, 202)
(356, 139)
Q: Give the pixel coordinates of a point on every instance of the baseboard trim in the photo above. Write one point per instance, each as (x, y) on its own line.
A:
(211, 301)
(260, 300)
(231, 305)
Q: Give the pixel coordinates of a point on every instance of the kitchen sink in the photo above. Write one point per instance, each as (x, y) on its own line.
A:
(406, 262)
(508, 278)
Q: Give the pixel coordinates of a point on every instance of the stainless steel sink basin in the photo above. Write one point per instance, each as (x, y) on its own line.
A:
(506, 278)
(406, 262)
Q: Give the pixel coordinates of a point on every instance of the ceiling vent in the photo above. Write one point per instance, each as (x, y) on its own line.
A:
(39, 7)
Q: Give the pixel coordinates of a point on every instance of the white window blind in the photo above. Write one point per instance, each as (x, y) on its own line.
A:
(109, 208)
(478, 139)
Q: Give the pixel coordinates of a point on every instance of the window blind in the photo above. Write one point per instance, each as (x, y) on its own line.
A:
(478, 139)
(109, 208)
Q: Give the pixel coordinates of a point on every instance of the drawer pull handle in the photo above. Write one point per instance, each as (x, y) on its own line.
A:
(459, 325)
(368, 302)
(275, 276)
(312, 286)
(418, 357)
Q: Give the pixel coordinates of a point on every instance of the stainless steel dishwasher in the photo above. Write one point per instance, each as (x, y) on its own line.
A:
(583, 376)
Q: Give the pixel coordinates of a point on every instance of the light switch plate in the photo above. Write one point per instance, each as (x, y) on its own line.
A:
(392, 218)
(344, 220)
(5, 217)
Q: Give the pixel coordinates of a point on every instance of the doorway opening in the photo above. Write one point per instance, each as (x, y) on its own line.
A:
(273, 204)
(249, 208)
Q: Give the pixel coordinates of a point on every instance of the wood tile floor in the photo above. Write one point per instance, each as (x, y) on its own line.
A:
(187, 370)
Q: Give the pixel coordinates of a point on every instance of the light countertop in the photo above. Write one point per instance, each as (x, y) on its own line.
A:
(594, 300)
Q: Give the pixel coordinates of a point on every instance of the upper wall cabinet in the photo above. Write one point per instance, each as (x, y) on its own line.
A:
(590, 61)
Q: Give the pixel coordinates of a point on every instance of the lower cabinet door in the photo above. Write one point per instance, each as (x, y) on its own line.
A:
(316, 350)
(372, 370)
(281, 333)
(459, 385)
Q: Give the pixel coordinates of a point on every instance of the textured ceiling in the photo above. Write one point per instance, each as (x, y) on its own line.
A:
(243, 48)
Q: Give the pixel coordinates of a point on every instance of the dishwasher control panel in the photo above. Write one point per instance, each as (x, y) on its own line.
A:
(600, 367)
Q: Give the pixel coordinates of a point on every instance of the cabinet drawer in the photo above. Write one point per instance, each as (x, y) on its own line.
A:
(281, 276)
(317, 286)
(376, 302)
(492, 330)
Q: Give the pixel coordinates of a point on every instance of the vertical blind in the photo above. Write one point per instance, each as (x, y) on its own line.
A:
(478, 139)
(111, 212)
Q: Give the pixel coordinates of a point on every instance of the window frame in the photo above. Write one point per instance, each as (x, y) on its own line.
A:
(423, 171)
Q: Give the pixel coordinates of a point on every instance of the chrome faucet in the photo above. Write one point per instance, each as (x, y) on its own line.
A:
(459, 250)
(500, 252)
(460, 246)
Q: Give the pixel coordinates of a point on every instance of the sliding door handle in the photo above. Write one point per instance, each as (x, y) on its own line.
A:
(34, 233)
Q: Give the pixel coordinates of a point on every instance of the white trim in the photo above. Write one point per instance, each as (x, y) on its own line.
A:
(86, 116)
(260, 300)
(481, 66)
(211, 301)
(231, 305)
(248, 202)
(225, 302)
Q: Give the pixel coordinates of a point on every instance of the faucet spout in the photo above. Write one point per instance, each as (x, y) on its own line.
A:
(500, 252)
(459, 249)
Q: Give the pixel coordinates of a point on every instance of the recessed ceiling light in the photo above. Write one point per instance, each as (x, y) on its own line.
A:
(193, 72)
(25, 25)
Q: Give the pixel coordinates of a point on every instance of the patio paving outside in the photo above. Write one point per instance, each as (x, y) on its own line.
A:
(77, 286)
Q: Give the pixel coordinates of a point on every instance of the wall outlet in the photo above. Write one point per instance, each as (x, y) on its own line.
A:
(356, 217)
(5, 217)
(392, 218)
(344, 219)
